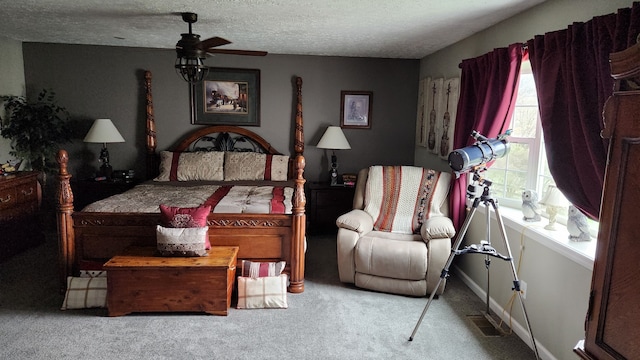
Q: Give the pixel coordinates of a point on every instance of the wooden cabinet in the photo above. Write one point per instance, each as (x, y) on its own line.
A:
(20, 198)
(325, 203)
(612, 329)
(87, 191)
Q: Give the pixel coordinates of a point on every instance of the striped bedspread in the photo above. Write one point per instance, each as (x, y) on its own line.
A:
(235, 199)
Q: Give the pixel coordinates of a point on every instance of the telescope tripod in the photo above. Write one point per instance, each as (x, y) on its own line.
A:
(483, 248)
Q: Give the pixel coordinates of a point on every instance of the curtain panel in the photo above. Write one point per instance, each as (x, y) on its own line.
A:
(488, 88)
(572, 75)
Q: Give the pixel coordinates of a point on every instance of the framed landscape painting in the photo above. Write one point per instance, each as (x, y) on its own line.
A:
(227, 96)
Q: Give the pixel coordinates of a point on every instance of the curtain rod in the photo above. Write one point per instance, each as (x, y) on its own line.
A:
(524, 45)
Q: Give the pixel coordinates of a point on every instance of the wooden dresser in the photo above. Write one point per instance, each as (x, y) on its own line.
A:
(20, 197)
(612, 322)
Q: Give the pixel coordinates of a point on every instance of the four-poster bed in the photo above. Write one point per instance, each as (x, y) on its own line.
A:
(87, 239)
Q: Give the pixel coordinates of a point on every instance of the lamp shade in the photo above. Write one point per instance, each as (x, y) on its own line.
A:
(103, 131)
(334, 139)
(553, 197)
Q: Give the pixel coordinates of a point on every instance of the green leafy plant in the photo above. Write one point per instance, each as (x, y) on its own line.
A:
(36, 129)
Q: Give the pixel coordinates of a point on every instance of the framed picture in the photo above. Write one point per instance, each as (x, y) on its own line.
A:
(355, 109)
(226, 96)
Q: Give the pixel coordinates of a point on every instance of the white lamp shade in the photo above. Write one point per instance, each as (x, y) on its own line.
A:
(334, 139)
(553, 197)
(103, 131)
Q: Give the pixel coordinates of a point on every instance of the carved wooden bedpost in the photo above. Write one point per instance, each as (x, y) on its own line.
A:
(66, 240)
(299, 201)
(152, 165)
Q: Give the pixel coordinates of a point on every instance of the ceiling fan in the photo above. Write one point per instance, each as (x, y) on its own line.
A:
(192, 51)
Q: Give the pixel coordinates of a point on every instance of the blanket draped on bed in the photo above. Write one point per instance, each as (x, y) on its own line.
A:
(235, 199)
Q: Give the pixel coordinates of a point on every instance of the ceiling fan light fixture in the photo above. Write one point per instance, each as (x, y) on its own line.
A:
(191, 69)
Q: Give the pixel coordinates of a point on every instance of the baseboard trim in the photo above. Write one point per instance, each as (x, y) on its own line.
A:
(520, 330)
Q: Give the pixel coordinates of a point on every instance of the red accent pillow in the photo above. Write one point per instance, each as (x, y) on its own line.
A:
(176, 217)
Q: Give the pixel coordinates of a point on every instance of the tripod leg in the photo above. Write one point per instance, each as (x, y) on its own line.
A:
(445, 270)
(516, 281)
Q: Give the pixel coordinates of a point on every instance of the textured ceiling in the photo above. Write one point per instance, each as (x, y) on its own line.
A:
(408, 29)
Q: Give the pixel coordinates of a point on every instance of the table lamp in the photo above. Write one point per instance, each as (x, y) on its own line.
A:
(103, 131)
(334, 139)
(554, 200)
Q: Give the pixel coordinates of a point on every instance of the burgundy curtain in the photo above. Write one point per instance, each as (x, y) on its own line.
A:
(488, 87)
(572, 75)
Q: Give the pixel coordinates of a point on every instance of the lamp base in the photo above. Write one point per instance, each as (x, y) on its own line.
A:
(106, 170)
(334, 177)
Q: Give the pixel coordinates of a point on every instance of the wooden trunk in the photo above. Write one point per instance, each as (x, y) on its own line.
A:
(138, 281)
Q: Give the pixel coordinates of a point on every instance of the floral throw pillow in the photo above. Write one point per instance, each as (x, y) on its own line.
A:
(177, 217)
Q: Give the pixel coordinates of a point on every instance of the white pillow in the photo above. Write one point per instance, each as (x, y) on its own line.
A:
(255, 166)
(85, 292)
(185, 166)
(268, 292)
(181, 241)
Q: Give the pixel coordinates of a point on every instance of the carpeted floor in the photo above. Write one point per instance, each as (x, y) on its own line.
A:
(330, 320)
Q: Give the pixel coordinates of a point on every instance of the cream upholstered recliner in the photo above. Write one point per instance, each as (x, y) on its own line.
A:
(397, 238)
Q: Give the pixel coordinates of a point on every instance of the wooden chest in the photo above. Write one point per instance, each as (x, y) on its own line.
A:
(139, 281)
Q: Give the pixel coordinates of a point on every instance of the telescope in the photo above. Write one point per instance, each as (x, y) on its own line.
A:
(476, 155)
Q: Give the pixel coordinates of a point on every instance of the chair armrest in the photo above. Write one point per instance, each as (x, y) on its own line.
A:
(355, 220)
(437, 227)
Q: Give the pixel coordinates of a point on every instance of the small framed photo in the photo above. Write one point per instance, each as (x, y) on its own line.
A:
(226, 96)
(355, 109)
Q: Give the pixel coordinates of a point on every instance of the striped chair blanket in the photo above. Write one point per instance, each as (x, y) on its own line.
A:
(399, 198)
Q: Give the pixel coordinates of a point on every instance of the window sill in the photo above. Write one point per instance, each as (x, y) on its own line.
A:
(580, 252)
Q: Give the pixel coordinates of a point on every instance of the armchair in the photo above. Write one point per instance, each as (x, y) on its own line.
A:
(397, 238)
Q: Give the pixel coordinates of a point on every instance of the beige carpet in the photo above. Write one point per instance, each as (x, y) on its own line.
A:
(330, 320)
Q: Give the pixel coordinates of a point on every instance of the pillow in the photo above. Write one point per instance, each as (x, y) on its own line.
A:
(185, 166)
(399, 198)
(261, 269)
(255, 166)
(85, 292)
(177, 217)
(262, 293)
(181, 241)
(93, 273)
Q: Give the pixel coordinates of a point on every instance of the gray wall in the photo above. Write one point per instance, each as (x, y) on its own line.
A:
(558, 288)
(99, 81)
(11, 82)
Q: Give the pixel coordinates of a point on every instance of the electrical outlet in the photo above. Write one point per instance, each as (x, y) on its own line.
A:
(523, 289)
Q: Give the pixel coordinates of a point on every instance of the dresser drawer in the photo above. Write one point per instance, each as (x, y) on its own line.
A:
(332, 198)
(19, 213)
(8, 198)
(27, 192)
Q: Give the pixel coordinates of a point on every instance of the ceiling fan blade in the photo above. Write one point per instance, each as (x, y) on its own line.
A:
(237, 52)
(213, 42)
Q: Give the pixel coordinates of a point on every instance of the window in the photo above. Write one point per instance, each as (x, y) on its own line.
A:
(512, 174)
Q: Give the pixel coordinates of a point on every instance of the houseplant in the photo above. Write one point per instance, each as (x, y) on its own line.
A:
(36, 129)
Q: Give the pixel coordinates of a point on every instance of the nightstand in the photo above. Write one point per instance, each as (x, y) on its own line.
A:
(325, 203)
(86, 191)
